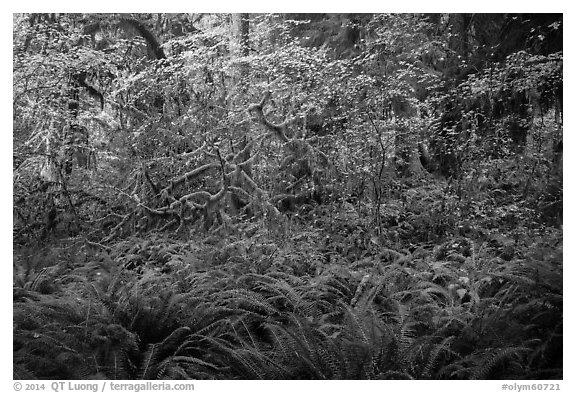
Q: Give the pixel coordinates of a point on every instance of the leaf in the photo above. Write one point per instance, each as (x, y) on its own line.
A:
(461, 292)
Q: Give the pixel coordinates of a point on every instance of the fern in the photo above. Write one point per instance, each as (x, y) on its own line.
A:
(246, 363)
(252, 301)
(435, 354)
(498, 358)
(154, 358)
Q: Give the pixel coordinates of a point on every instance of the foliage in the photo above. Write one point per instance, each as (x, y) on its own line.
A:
(316, 197)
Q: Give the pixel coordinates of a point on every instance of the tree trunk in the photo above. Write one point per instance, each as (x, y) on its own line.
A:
(241, 27)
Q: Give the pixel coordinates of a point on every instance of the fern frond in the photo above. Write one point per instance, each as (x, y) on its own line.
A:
(148, 362)
(252, 301)
(498, 358)
(433, 357)
(170, 344)
(394, 375)
(248, 363)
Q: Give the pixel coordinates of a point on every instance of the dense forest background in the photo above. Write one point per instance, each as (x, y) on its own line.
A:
(287, 196)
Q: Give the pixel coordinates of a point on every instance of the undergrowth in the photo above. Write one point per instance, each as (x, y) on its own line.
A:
(324, 295)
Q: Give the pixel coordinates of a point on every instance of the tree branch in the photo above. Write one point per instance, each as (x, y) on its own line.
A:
(277, 129)
(148, 36)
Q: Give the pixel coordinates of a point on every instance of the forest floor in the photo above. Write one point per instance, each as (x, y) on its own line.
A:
(428, 285)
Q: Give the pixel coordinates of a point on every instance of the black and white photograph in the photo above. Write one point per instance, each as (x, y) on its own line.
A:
(287, 196)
